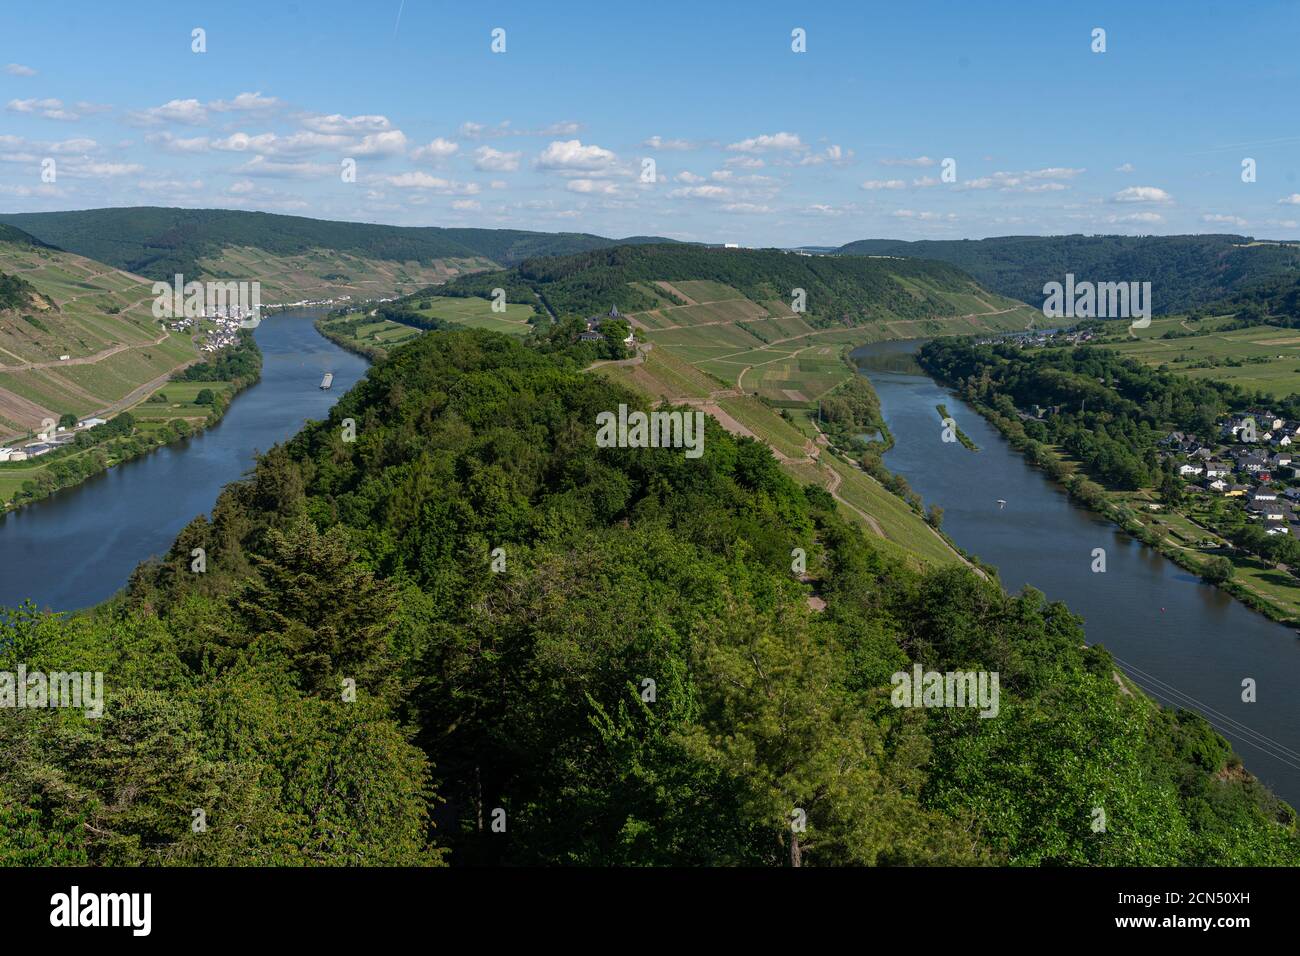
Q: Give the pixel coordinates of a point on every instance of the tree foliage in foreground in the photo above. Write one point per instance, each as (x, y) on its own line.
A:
(524, 692)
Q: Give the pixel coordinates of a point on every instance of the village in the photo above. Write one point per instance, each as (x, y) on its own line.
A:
(222, 331)
(1250, 461)
(1037, 338)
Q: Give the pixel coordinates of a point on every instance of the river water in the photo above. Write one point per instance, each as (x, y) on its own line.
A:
(80, 545)
(1184, 642)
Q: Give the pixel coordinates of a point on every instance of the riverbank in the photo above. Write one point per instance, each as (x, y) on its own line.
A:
(188, 403)
(1176, 638)
(79, 547)
(1111, 506)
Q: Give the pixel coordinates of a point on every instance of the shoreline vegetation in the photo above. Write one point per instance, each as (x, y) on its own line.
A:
(962, 437)
(167, 416)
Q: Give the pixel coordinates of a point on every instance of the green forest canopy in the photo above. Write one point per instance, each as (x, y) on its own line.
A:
(847, 290)
(1185, 272)
(524, 691)
(158, 242)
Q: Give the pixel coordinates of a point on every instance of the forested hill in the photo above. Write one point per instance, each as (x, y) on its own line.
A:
(842, 289)
(12, 234)
(158, 242)
(1272, 301)
(643, 680)
(1185, 272)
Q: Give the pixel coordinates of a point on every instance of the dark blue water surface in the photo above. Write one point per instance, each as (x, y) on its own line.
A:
(1183, 641)
(79, 546)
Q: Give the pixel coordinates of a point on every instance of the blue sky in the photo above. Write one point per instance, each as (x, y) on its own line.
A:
(751, 142)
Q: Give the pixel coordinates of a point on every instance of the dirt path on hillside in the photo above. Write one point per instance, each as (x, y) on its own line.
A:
(84, 359)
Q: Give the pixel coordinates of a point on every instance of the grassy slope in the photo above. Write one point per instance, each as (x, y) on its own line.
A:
(115, 352)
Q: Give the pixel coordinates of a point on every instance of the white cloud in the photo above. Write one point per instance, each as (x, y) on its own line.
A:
(745, 162)
(169, 143)
(925, 182)
(95, 170)
(273, 169)
(1145, 218)
(746, 208)
(422, 180)
(1142, 194)
(25, 192)
(170, 186)
(922, 216)
(686, 176)
(596, 186)
(1125, 168)
(72, 146)
(48, 108)
(337, 123)
(1224, 220)
(436, 150)
(918, 161)
(17, 69)
(1027, 180)
(571, 154)
(563, 128)
(701, 192)
(884, 184)
(769, 142)
(1291, 200)
(834, 154)
(468, 205)
(658, 142)
(190, 112)
(388, 143)
(246, 101)
(494, 160)
(471, 130)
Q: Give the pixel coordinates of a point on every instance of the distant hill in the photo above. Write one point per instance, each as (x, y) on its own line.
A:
(322, 255)
(1185, 272)
(15, 236)
(838, 289)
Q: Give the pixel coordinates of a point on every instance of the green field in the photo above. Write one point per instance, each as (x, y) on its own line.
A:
(1264, 357)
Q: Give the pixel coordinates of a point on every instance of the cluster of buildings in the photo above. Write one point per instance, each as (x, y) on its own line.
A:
(593, 333)
(226, 321)
(54, 439)
(1250, 461)
(1040, 337)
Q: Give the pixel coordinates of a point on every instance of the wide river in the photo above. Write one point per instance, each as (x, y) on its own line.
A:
(80, 545)
(1186, 643)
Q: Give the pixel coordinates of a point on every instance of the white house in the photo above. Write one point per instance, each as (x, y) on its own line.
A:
(1186, 470)
(91, 422)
